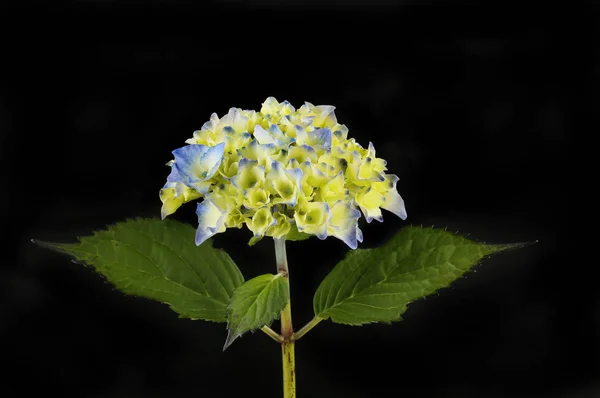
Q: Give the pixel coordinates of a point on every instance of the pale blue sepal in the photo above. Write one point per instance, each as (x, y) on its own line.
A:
(194, 163)
(262, 135)
(174, 176)
(211, 220)
(369, 217)
(320, 137)
(348, 236)
(296, 175)
(236, 120)
(279, 172)
(212, 159)
(281, 139)
(359, 234)
(201, 186)
(301, 134)
(321, 233)
(393, 201)
(273, 135)
(346, 229)
(256, 151)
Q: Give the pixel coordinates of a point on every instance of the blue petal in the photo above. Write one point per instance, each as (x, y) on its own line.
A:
(211, 125)
(325, 114)
(277, 168)
(307, 120)
(321, 137)
(279, 172)
(302, 153)
(212, 159)
(301, 135)
(256, 151)
(322, 234)
(341, 132)
(236, 120)
(262, 135)
(359, 235)
(272, 136)
(311, 152)
(371, 150)
(280, 138)
(245, 166)
(370, 218)
(393, 201)
(371, 154)
(211, 220)
(189, 154)
(198, 162)
(275, 131)
(175, 176)
(201, 186)
(346, 228)
(296, 175)
(245, 162)
(349, 237)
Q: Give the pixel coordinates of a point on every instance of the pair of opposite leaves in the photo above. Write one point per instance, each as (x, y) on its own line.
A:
(159, 260)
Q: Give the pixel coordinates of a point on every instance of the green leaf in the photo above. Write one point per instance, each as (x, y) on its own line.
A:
(159, 260)
(255, 304)
(376, 285)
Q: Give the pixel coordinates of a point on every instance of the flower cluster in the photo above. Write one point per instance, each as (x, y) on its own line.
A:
(278, 169)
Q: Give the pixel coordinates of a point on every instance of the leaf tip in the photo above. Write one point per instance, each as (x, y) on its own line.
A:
(48, 245)
(512, 246)
(230, 339)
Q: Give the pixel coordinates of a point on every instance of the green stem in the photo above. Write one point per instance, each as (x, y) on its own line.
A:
(287, 330)
(289, 373)
(272, 334)
(314, 322)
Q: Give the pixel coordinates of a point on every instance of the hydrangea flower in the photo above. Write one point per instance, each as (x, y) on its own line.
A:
(278, 169)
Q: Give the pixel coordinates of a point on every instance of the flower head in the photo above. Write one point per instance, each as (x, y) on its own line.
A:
(278, 169)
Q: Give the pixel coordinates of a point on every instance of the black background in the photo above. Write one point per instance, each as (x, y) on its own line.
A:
(473, 107)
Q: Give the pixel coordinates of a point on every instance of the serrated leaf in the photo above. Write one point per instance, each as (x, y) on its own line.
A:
(255, 304)
(158, 259)
(376, 285)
